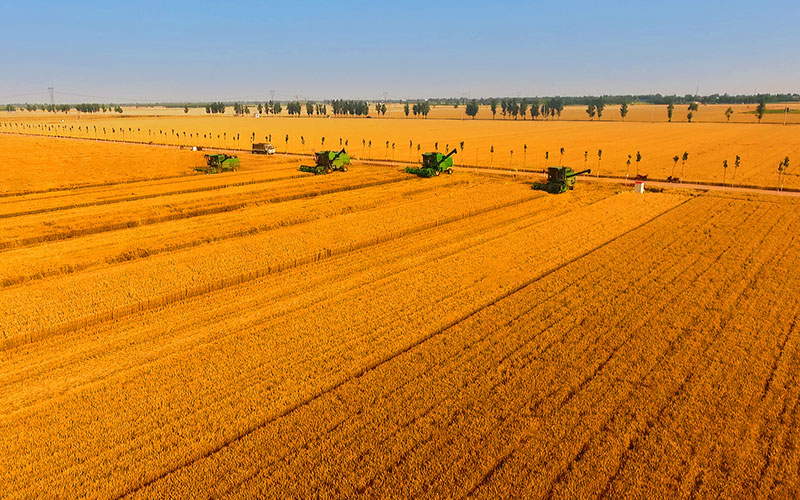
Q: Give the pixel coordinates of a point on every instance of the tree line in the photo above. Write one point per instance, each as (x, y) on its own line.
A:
(64, 108)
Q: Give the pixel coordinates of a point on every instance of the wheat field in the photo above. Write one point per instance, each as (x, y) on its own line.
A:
(272, 334)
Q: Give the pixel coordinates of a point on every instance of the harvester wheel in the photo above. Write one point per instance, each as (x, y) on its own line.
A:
(344, 169)
(436, 172)
(450, 171)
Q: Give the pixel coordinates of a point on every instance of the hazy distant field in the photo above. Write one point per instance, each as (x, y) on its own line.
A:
(761, 146)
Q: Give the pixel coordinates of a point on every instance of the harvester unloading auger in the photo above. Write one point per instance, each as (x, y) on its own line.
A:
(433, 164)
(327, 162)
(559, 180)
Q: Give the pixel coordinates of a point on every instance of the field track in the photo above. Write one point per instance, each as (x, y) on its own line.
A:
(370, 334)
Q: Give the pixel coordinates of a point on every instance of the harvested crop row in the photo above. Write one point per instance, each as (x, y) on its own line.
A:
(291, 290)
(279, 363)
(438, 385)
(77, 254)
(710, 339)
(75, 300)
(50, 202)
(655, 276)
(400, 395)
(38, 228)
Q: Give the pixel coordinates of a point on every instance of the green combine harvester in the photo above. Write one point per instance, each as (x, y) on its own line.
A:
(327, 162)
(216, 163)
(559, 180)
(434, 164)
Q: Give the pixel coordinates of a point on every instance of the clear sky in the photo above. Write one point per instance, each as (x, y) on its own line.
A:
(197, 50)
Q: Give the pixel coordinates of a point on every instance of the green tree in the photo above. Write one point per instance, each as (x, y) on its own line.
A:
(591, 110)
(638, 161)
(491, 152)
(599, 106)
(523, 108)
(728, 113)
(471, 109)
(724, 171)
(736, 163)
(309, 108)
(561, 156)
(186, 109)
(599, 157)
(684, 159)
(406, 109)
(761, 109)
(535, 109)
(674, 164)
(670, 111)
(693, 106)
(623, 110)
(628, 168)
(493, 107)
(689, 116)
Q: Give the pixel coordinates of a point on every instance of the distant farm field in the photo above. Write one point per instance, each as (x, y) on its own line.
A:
(273, 334)
(515, 143)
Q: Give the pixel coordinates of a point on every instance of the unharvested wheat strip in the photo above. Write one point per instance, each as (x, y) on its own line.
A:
(78, 254)
(166, 278)
(248, 346)
(500, 482)
(36, 205)
(178, 183)
(395, 257)
(34, 229)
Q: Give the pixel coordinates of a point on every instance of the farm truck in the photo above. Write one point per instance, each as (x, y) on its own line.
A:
(327, 162)
(434, 164)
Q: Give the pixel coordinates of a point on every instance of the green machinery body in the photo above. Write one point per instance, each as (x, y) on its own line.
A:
(559, 180)
(434, 164)
(216, 163)
(327, 162)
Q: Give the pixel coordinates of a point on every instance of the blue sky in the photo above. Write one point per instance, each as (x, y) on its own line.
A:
(126, 51)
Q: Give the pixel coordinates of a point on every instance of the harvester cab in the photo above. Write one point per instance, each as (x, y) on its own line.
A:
(327, 162)
(559, 180)
(216, 163)
(434, 164)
